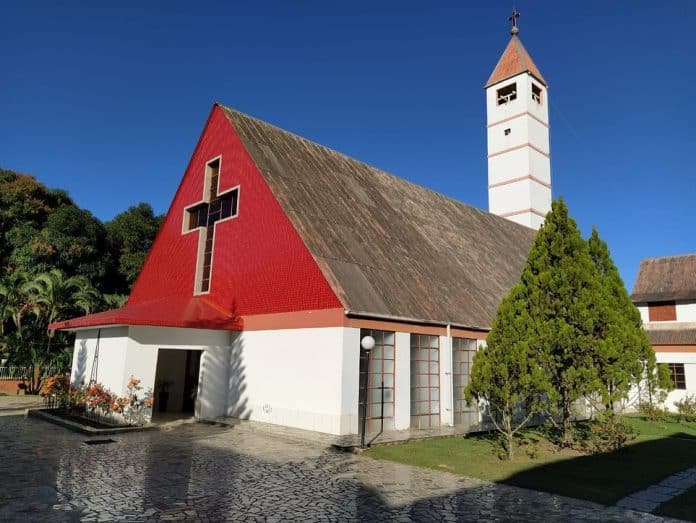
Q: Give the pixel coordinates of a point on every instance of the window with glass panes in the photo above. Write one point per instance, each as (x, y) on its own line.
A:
(377, 381)
(463, 351)
(425, 381)
(678, 375)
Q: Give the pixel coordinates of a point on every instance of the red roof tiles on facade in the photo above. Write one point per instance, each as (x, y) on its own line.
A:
(194, 312)
(515, 60)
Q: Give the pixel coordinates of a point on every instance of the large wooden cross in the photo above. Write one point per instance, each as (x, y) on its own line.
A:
(204, 215)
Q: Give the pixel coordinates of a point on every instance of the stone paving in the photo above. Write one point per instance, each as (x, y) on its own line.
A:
(198, 472)
(648, 500)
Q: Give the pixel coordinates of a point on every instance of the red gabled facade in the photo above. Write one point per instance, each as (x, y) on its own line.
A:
(260, 263)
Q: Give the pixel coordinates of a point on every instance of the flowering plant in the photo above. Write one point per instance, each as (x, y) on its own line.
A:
(136, 402)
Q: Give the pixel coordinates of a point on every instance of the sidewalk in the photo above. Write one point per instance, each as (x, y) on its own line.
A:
(17, 404)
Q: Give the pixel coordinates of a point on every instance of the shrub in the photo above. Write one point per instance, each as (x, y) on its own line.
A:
(652, 412)
(607, 433)
(686, 408)
(56, 385)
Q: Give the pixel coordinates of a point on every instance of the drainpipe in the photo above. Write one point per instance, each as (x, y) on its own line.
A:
(450, 373)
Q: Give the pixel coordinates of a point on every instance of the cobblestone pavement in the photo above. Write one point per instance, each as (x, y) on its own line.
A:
(209, 473)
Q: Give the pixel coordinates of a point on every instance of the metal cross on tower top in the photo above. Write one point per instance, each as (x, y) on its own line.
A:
(513, 18)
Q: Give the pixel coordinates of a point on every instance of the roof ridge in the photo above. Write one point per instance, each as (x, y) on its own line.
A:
(669, 257)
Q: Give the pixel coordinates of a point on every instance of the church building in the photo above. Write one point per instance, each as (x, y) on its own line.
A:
(278, 255)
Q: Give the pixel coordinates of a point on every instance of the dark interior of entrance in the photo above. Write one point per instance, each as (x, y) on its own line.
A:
(176, 382)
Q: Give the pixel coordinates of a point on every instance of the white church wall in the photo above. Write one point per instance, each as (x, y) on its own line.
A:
(402, 381)
(145, 343)
(497, 112)
(294, 377)
(518, 135)
(539, 110)
(350, 381)
(512, 196)
(643, 309)
(539, 166)
(540, 197)
(504, 167)
(521, 131)
(113, 343)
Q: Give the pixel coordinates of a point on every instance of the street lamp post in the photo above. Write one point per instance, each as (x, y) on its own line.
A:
(367, 344)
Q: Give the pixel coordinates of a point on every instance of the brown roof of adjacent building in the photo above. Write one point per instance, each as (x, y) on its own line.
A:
(514, 60)
(388, 246)
(666, 279)
(684, 334)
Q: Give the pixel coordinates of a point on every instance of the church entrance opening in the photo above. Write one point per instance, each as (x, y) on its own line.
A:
(176, 383)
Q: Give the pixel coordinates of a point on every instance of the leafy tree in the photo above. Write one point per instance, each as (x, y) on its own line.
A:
(506, 373)
(653, 392)
(562, 291)
(74, 241)
(24, 207)
(130, 236)
(623, 354)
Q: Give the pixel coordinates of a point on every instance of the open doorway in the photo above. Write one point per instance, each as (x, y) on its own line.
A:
(176, 383)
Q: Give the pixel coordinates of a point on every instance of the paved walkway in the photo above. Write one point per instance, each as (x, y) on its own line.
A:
(200, 472)
(648, 500)
(14, 403)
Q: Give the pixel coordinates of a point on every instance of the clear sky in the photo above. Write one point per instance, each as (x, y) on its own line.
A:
(108, 102)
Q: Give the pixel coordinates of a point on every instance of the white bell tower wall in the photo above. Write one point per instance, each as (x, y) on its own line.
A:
(519, 164)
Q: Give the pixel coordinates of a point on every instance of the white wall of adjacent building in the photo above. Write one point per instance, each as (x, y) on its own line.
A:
(685, 312)
(689, 361)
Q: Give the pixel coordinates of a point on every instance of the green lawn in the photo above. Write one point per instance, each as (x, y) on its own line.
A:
(662, 449)
(683, 507)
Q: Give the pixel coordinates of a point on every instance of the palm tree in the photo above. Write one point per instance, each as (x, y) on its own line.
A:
(52, 296)
(85, 297)
(13, 299)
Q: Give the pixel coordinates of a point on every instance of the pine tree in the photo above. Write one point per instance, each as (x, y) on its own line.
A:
(562, 289)
(506, 373)
(623, 355)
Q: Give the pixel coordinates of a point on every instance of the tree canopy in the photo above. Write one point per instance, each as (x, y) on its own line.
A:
(57, 261)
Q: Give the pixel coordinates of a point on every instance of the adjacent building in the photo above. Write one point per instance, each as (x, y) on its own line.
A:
(665, 294)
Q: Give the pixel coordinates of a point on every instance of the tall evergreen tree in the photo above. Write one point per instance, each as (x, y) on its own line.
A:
(623, 355)
(506, 373)
(562, 290)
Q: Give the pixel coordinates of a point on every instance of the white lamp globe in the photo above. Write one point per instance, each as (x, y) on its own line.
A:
(367, 343)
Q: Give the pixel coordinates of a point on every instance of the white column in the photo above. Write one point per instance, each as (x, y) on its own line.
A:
(350, 382)
(402, 381)
(446, 412)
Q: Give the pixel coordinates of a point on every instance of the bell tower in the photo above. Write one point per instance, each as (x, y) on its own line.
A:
(519, 159)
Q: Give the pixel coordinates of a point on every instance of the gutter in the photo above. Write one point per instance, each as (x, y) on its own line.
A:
(405, 319)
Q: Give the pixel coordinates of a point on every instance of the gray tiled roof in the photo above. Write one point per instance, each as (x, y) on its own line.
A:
(388, 246)
(684, 334)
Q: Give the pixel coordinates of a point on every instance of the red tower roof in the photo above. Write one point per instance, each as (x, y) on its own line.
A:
(515, 60)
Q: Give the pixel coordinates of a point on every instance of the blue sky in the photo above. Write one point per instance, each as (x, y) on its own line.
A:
(108, 102)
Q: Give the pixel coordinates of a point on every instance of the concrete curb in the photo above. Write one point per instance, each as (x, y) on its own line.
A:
(83, 429)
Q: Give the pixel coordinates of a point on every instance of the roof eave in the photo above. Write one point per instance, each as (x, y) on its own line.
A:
(417, 321)
(530, 73)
